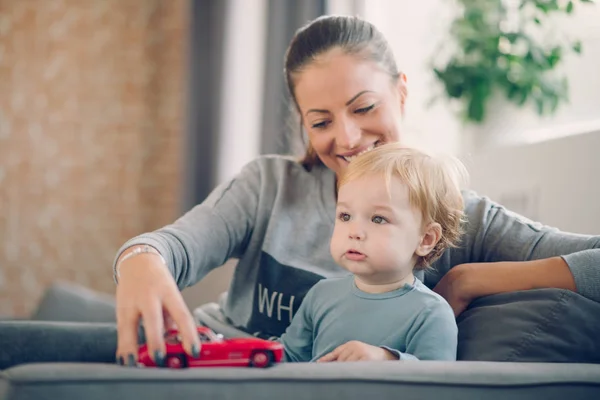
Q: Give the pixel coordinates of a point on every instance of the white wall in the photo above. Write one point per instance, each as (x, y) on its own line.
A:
(414, 30)
(241, 108)
(344, 7)
(555, 182)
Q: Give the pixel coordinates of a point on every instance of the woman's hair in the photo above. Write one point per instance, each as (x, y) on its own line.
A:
(350, 34)
(434, 187)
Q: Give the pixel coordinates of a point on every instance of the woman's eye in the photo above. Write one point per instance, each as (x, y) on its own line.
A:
(344, 217)
(320, 125)
(364, 110)
(378, 220)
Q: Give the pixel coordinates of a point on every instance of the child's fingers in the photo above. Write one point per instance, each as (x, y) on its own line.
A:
(355, 356)
(327, 357)
(332, 356)
(345, 354)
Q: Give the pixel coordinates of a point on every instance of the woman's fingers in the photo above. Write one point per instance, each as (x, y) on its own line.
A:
(139, 292)
(148, 291)
(170, 324)
(127, 334)
(181, 316)
(152, 316)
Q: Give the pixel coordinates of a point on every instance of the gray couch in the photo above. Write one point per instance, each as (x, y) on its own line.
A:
(541, 344)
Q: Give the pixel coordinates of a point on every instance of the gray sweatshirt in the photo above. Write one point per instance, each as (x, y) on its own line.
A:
(277, 219)
(413, 322)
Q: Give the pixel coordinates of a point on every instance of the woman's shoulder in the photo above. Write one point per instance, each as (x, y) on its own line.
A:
(477, 206)
(482, 209)
(278, 160)
(285, 166)
(471, 197)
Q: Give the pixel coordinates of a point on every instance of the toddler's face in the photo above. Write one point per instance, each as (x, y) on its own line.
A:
(376, 232)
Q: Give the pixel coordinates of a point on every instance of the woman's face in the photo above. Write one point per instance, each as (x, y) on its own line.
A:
(348, 106)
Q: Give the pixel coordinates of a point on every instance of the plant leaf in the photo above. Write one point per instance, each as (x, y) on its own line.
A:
(569, 8)
(539, 104)
(515, 63)
(554, 57)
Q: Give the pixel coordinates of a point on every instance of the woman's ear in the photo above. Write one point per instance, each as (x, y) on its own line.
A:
(431, 237)
(402, 90)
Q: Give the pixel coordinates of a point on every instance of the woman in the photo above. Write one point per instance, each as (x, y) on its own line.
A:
(277, 215)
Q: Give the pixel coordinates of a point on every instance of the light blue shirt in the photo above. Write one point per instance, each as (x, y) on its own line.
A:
(413, 322)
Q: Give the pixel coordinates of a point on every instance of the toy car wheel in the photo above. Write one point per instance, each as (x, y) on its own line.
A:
(261, 359)
(175, 361)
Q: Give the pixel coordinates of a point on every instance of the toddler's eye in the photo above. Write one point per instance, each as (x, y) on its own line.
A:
(344, 217)
(378, 219)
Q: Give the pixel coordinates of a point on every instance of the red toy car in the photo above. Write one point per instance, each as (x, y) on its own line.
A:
(216, 352)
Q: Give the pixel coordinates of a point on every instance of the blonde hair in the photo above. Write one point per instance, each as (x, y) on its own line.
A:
(434, 186)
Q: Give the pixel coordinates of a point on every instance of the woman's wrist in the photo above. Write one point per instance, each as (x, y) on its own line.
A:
(135, 251)
(551, 273)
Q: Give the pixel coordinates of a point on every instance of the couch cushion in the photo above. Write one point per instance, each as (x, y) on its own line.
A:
(43, 341)
(69, 302)
(545, 325)
(303, 381)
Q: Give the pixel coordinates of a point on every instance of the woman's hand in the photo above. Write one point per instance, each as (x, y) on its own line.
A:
(147, 290)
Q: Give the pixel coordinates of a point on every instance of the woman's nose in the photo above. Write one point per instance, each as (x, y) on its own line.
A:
(348, 134)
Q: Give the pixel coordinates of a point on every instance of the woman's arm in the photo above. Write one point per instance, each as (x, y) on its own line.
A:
(209, 234)
(149, 283)
(466, 282)
(503, 252)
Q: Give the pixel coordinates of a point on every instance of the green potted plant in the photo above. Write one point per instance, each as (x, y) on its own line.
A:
(499, 47)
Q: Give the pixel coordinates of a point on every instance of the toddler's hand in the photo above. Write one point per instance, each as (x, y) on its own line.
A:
(358, 351)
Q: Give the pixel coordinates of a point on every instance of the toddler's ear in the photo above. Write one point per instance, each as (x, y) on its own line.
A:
(431, 236)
